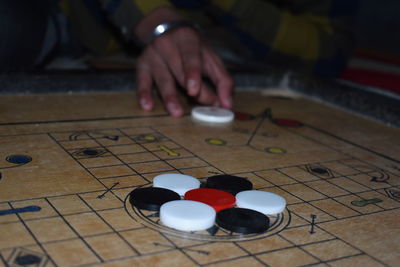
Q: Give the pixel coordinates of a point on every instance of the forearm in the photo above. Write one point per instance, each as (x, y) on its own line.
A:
(135, 16)
(158, 16)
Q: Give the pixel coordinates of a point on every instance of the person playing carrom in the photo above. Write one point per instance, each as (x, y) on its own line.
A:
(308, 36)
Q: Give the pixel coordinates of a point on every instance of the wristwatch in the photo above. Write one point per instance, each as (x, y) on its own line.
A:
(163, 28)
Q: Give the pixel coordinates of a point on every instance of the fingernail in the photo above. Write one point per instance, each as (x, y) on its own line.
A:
(145, 104)
(174, 109)
(192, 87)
(228, 102)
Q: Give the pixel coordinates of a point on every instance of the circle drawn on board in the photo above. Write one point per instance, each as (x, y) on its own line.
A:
(275, 150)
(287, 123)
(216, 141)
(90, 152)
(319, 170)
(147, 138)
(151, 219)
(29, 259)
(243, 116)
(18, 159)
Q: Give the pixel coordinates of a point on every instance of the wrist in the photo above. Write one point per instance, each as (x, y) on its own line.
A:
(164, 28)
(144, 31)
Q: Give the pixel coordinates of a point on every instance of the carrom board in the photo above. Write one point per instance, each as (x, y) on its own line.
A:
(68, 163)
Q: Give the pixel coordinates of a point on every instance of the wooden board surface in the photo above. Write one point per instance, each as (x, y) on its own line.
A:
(62, 206)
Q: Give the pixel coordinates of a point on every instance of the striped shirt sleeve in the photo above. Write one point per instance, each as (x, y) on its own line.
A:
(310, 36)
(126, 14)
(89, 20)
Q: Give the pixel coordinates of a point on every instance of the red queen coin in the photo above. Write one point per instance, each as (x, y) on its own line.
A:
(215, 198)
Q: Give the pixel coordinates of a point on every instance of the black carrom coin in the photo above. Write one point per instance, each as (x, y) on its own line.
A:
(244, 221)
(151, 198)
(229, 183)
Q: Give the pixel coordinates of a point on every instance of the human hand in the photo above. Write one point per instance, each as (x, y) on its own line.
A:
(181, 56)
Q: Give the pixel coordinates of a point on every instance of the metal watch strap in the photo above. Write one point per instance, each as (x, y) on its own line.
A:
(163, 28)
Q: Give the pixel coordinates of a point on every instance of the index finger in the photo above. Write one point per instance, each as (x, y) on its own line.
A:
(189, 47)
(215, 70)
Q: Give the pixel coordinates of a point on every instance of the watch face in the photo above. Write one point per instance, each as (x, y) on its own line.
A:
(169, 26)
(160, 29)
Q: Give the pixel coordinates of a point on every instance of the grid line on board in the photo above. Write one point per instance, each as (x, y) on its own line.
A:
(146, 149)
